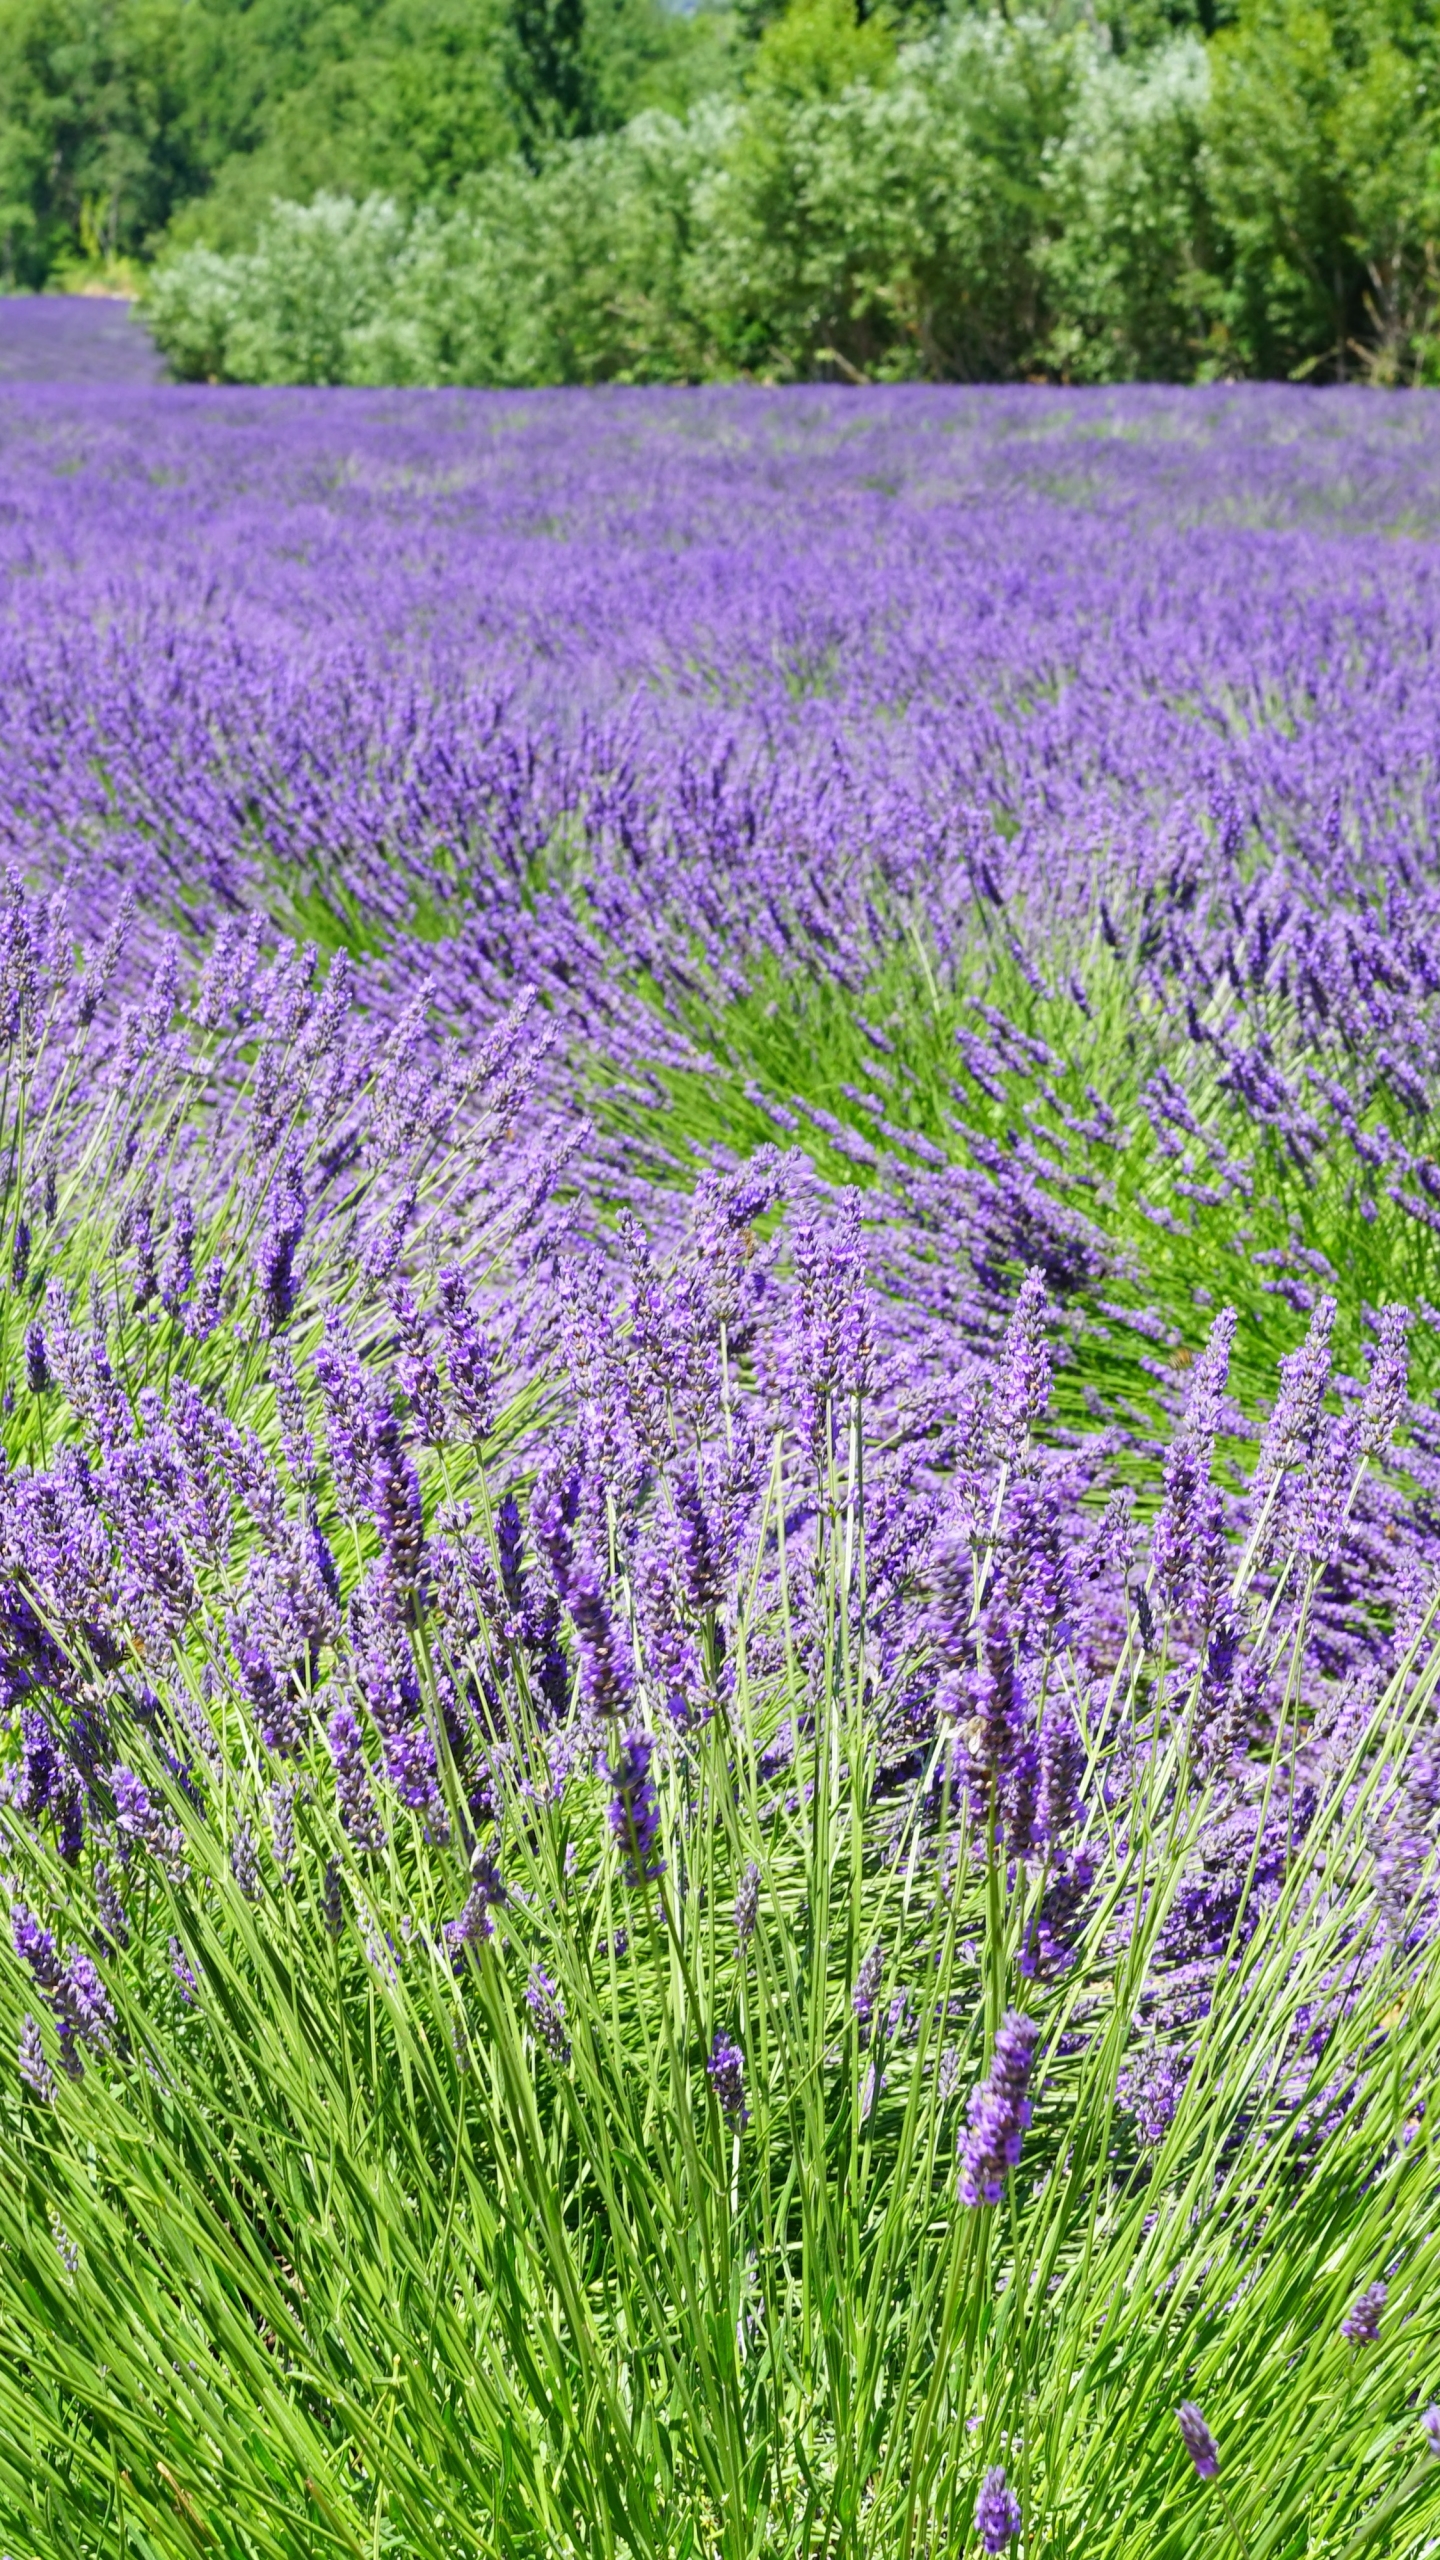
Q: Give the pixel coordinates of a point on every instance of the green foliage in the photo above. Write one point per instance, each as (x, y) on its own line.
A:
(1129, 264)
(817, 48)
(407, 106)
(891, 230)
(998, 198)
(119, 118)
(94, 149)
(1322, 169)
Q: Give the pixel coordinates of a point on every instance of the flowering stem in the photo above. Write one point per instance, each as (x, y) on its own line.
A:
(1233, 2521)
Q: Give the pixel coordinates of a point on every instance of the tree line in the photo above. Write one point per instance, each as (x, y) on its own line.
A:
(588, 190)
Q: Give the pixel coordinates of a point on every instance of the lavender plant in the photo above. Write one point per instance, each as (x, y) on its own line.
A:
(501, 1915)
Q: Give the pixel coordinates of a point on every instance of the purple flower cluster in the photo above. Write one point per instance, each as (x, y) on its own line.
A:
(997, 2511)
(1198, 2441)
(635, 1807)
(999, 2113)
(726, 2069)
(1361, 2324)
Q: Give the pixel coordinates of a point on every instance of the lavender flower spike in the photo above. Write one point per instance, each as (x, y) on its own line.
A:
(1432, 2431)
(635, 1808)
(547, 2008)
(1199, 2442)
(726, 2068)
(997, 2511)
(1022, 1385)
(1361, 2324)
(35, 2071)
(867, 1983)
(999, 2113)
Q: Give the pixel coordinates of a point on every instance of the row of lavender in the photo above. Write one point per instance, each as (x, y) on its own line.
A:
(321, 1633)
(559, 1732)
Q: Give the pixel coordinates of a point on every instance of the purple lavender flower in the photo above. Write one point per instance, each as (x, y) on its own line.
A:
(281, 1719)
(1295, 1415)
(1329, 1492)
(206, 1309)
(395, 1496)
(996, 1727)
(747, 1903)
(467, 1358)
(66, 2249)
(1385, 1389)
(70, 1828)
(411, 1770)
(695, 1546)
(635, 1807)
(245, 1863)
(177, 1271)
(354, 1798)
(419, 1377)
(1061, 1769)
(474, 1924)
(867, 1984)
(1022, 1382)
(332, 1899)
(142, 1238)
(1198, 2441)
(184, 1973)
(37, 1364)
(41, 1771)
(347, 1416)
(36, 1948)
(115, 1927)
(35, 2071)
(547, 2008)
(999, 2113)
(726, 2068)
(1187, 1548)
(282, 1828)
(295, 1437)
(87, 2002)
(831, 1350)
(1149, 2089)
(554, 1509)
(1361, 2324)
(607, 1676)
(1432, 2432)
(134, 1811)
(509, 1551)
(997, 2510)
(1032, 1569)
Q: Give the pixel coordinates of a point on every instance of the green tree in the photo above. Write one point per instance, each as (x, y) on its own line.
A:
(94, 148)
(1320, 152)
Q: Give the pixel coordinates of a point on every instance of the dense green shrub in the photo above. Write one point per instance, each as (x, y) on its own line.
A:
(1321, 166)
(1129, 260)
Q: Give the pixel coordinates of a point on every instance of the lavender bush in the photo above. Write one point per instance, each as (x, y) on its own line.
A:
(720, 1795)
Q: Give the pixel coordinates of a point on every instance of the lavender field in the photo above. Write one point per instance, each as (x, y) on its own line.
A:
(721, 1527)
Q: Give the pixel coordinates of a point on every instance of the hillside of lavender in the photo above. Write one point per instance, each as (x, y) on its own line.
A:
(720, 1522)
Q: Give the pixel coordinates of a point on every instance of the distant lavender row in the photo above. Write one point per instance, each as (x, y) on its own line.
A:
(1114, 713)
(1118, 700)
